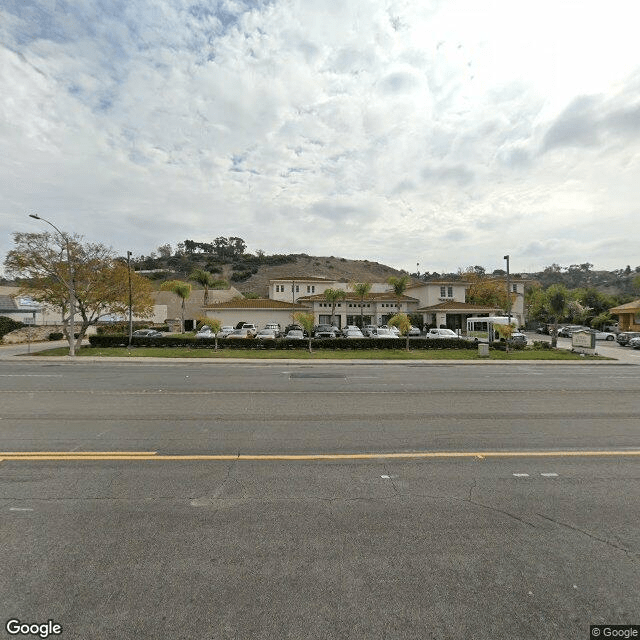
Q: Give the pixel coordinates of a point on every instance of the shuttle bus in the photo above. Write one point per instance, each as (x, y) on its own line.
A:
(482, 327)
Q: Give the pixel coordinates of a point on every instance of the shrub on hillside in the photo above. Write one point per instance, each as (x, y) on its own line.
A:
(7, 325)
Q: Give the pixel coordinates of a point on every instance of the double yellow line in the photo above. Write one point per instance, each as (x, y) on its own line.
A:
(41, 456)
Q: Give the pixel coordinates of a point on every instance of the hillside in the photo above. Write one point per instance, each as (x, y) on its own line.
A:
(250, 274)
(319, 266)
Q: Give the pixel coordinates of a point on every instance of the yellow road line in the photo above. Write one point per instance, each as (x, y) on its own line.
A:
(77, 453)
(420, 455)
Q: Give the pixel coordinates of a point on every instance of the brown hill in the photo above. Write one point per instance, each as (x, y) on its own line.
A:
(329, 267)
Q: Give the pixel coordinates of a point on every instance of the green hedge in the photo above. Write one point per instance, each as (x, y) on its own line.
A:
(325, 344)
(122, 327)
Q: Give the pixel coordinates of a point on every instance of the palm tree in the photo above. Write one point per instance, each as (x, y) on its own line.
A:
(332, 296)
(206, 280)
(182, 290)
(361, 289)
(399, 287)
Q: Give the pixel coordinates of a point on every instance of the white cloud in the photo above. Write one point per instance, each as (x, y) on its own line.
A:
(446, 132)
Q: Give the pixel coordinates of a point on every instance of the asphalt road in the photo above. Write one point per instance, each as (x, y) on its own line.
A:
(505, 519)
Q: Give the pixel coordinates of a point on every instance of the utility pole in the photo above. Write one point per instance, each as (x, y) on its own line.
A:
(130, 313)
(70, 286)
(508, 291)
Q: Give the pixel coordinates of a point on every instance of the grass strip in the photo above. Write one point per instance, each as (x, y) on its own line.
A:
(302, 354)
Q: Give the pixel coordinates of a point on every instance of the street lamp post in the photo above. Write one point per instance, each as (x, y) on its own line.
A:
(130, 312)
(70, 286)
(508, 291)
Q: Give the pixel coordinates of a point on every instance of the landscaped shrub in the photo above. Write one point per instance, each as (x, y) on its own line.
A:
(541, 345)
(56, 335)
(7, 325)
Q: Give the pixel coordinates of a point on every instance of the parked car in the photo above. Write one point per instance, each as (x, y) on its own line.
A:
(624, 337)
(354, 333)
(544, 329)
(275, 327)
(205, 332)
(294, 334)
(441, 334)
(325, 331)
(348, 328)
(147, 333)
(605, 335)
(250, 327)
(566, 330)
(414, 332)
(295, 327)
(368, 328)
(518, 338)
(635, 343)
(381, 332)
(266, 334)
(225, 331)
(240, 333)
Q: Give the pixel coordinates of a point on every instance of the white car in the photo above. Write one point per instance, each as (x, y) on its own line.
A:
(205, 332)
(250, 327)
(294, 334)
(441, 334)
(380, 332)
(605, 335)
(349, 327)
(354, 333)
(266, 334)
(414, 331)
(634, 343)
(225, 331)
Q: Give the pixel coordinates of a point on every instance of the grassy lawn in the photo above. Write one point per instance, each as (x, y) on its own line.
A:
(302, 354)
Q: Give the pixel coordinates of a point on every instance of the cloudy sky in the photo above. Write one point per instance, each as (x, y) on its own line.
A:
(446, 133)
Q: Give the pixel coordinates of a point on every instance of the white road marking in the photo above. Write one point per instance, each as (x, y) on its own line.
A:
(549, 475)
(19, 509)
(521, 475)
(30, 375)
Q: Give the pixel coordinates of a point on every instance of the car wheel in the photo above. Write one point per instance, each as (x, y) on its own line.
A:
(609, 338)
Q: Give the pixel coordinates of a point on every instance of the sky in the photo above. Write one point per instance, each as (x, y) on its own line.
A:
(434, 133)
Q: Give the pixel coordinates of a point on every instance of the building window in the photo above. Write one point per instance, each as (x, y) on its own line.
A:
(443, 292)
(297, 288)
(450, 292)
(515, 288)
(313, 288)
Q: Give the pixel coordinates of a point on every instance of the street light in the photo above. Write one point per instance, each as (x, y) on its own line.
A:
(508, 291)
(72, 295)
(130, 315)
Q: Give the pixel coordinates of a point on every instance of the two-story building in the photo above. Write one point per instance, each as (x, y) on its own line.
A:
(441, 303)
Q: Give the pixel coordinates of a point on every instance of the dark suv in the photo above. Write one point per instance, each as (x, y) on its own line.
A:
(624, 337)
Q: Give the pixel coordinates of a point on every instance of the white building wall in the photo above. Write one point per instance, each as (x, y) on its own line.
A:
(259, 317)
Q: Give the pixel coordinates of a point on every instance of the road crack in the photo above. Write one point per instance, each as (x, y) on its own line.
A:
(631, 554)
